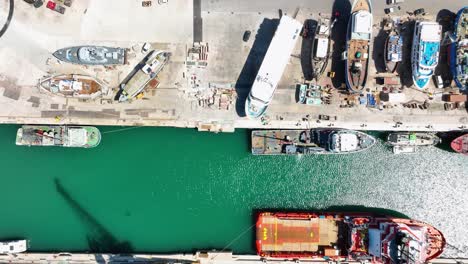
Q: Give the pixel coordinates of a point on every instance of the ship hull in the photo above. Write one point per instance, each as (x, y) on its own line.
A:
(73, 86)
(58, 136)
(319, 65)
(391, 66)
(338, 236)
(455, 48)
(418, 139)
(460, 144)
(92, 55)
(356, 77)
(306, 142)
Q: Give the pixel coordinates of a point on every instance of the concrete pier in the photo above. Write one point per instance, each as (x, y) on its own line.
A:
(210, 94)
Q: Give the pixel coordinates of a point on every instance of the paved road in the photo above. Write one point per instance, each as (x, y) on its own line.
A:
(432, 6)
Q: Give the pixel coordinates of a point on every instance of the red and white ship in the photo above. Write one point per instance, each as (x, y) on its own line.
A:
(347, 237)
(460, 144)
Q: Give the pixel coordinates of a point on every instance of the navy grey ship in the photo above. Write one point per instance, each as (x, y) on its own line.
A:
(92, 55)
(311, 141)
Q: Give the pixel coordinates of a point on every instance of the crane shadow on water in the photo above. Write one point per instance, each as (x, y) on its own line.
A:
(99, 238)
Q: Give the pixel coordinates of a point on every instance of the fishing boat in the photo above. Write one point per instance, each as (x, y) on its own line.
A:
(358, 45)
(458, 53)
(460, 144)
(425, 51)
(393, 51)
(139, 78)
(73, 85)
(409, 142)
(321, 47)
(313, 141)
(59, 136)
(356, 237)
(13, 246)
(92, 55)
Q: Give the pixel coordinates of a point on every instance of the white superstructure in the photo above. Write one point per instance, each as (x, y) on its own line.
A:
(13, 247)
(273, 66)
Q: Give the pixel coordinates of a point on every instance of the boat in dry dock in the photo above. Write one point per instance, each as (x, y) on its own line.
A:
(331, 236)
(145, 72)
(460, 144)
(59, 136)
(425, 51)
(359, 38)
(13, 246)
(409, 142)
(321, 47)
(458, 52)
(311, 141)
(73, 85)
(92, 55)
(393, 51)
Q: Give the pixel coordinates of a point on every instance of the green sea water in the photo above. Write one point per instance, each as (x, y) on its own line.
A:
(178, 190)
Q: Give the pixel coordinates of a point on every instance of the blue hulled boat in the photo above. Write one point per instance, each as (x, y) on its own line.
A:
(459, 50)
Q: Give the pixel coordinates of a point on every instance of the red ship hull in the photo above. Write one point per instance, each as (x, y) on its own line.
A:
(460, 144)
(335, 236)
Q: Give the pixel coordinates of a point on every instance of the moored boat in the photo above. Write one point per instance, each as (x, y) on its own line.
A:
(330, 236)
(409, 142)
(139, 78)
(460, 144)
(92, 55)
(358, 45)
(13, 246)
(425, 51)
(393, 51)
(321, 47)
(60, 136)
(459, 50)
(312, 141)
(73, 85)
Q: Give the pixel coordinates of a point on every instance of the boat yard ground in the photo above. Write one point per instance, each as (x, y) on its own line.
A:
(211, 97)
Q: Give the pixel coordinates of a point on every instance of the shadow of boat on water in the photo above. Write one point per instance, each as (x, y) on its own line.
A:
(99, 238)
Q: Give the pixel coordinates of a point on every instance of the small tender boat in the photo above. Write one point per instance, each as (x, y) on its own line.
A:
(326, 237)
(321, 47)
(425, 51)
(409, 142)
(60, 136)
(359, 38)
(460, 144)
(13, 246)
(92, 55)
(458, 52)
(313, 141)
(393, 51)
(73, 85)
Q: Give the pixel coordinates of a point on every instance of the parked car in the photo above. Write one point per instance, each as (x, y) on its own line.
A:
(35, 3)
(54, 6)
(389, 10)
(391, 2)
(439, 83)
(246, 36)
(419, 11)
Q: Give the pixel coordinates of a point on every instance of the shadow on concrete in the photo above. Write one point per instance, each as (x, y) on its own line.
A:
(306, 48)
(254, 61)
(446, 19)
(404, 67)
(197, 22)
(378, 50)
(338, 36)
(99, 238)
(10, 16)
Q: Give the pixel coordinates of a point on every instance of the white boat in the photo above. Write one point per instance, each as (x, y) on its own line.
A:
(273, 65)
(13, 246)
(425, 51)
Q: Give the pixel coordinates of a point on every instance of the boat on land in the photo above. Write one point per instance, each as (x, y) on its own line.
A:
(59, 136)
(363, 237)
(425, 51)
(145, 72)
(73, 85)
(321, 47)
(273, 66)
(458, 52)
(13, 246)
(313, 141)
(359, 38)
(92, 55)
(460, 144)
(393, 51)
(409, 142)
